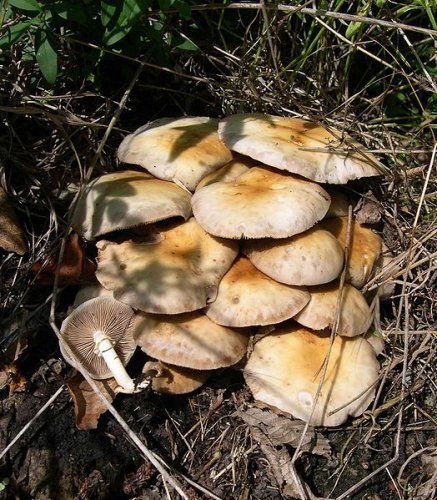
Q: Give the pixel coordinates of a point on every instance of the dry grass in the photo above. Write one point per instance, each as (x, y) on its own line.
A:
(376, 85)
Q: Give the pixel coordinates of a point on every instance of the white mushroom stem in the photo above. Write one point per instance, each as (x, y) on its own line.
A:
(106, 350)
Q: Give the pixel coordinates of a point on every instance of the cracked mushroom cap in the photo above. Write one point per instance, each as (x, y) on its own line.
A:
(311, 258)
(123, 200)
(229, 172)
(285, 369)
(189, 340)
(182, 150)
(170, 379)
(247, 297)
(321, 311)
(102, 314)
(260, 203)
(364, 252)
(11, 232)
(179, 273)
(282, 141)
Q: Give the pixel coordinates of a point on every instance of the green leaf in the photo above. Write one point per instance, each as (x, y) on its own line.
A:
(185, 44)
(69, 12)
(26, 4)
(130, 13)
(46, 56)
(14, 34)
(109, 9)
(184, 9)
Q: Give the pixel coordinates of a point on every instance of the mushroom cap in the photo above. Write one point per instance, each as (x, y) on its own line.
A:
(321, 311)
(11, 232)
(170, 379)
(311, 258)
(364, 251)
(229, 172)
(189, 340)
(376, 340)
(89, 292)
(183, 150)
(339, 204)
(284, 371)
(102, 314)
(281, 142)
(179, 273)
(260, 203)
(122, 200)
(247, 297)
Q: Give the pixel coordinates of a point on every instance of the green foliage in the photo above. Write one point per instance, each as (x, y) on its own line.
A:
(47, 30)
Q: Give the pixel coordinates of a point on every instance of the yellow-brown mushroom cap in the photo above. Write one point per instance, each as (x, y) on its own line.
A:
(364, 250)
(247, 297)
(170, 379)
(310, 258)
(11, 232)
(189, 340)
(229, 172)
(183, 150)
(122, 200)
(177, 274)
(281, 142)
(321, 311)
(260, 203)
(285, 369)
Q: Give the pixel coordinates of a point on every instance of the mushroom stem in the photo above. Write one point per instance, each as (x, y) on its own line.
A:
(107, 351)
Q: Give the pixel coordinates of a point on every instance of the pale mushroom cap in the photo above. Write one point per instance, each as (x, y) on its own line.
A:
(339, 204)
(11, 232)
(311, 258)
(321, 311)
(364, 251)
(281, 142)
(89, 292)
(247, 297)
(172, 379)
(127, 199)
(183, 150)
(260, 203)
(178, 274)
(189, 340)
(285, 369)
(102, 314)
(229, 172)
(376, 340)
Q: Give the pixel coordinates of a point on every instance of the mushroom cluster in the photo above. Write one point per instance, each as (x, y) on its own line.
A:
(228, 231)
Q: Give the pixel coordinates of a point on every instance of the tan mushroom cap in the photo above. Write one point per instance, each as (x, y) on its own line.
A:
(260, 203)
(311, 258)
(178, 274)
(281, 142)
(101, 314)
(247, 297)
(321, 311)
(170, 379)
(376, 340)
(339, 204)
(229, 172)
(189, 340)
(364, 252)
(122, 200)
(285, 370)
(11, 232)
(183, 150)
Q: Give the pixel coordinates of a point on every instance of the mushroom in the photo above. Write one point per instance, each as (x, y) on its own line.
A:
(229, 172)
(321, 311)
(364, 250)
(178, 274)
(299, 146)
(170, 379)
(123, 200)
(247, 297)
(189, 340)
(285, 370)
(182, 150)
(260, 203)
(90, 292)
(11, 232)
(310, 258)
(99, 334)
